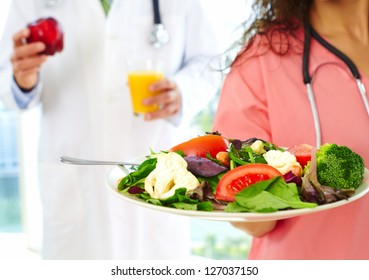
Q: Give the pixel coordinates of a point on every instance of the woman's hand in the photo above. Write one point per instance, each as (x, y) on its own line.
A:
(26, 60)
(169, 100)
(255, 229)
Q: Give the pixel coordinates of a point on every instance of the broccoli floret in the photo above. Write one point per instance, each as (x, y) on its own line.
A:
(339, 167)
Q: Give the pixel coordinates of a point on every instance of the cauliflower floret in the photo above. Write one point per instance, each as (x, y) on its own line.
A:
(170, 174)
(258, 147)
(283, 161)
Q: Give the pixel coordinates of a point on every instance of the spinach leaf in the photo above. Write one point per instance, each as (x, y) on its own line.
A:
(268, 196)
(205, 206)
(184, 206)
(244, 155)
(213, 181)
(138, 176)
(180, 201)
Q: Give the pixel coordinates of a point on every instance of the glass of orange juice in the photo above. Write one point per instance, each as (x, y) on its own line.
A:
(141, 74)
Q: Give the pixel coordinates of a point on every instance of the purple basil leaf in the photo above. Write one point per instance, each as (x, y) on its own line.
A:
(135, 190)
(292, 178)
(204, 167)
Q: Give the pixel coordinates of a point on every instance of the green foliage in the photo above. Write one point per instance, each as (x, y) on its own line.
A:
(204, 120)
(10, 205)
(339, 167)
(10, 215)
(233, 248)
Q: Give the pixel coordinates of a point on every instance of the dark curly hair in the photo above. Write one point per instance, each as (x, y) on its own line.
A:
(271, 17)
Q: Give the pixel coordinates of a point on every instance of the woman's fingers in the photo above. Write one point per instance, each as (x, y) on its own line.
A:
(163, 85)
(169, 100)
(165, 111)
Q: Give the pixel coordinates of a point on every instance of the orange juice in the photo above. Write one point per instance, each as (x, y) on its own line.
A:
(139, 83)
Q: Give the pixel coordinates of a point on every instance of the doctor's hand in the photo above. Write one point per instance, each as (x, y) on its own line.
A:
(26, 60)
(255, 229)
(169, 100)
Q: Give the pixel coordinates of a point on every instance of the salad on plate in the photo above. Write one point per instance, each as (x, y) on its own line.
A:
(211, 172)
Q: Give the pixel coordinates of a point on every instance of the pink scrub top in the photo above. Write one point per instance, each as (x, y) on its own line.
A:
(264, 96)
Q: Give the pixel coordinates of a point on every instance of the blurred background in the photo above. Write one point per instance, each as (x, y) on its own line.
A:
(20, 208)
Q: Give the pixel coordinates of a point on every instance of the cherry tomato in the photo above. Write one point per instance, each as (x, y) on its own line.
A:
(223, 158)
(241, 177)
(302, 153)
(199, 146)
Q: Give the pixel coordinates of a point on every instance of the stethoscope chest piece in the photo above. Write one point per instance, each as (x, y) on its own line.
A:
(159, 36)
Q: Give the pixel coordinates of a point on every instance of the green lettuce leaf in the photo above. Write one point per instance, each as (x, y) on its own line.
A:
(180, 201)
(138, 176)
(268, 196)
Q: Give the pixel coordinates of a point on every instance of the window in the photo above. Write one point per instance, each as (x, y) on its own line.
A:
(20, 207)
(212, 239)
(10, 214)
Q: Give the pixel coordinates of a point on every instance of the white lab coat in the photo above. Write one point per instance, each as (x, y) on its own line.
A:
(87, 113)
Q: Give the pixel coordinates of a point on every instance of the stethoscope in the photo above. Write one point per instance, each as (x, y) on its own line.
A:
(159, 35)
(310, 32)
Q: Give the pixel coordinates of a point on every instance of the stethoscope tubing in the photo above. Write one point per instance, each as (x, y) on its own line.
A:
(310, 32)
(362, 90)
(159, 34)
(314, 112)
(156, 10)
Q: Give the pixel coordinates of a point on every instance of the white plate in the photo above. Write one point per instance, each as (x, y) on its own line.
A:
(116, 173)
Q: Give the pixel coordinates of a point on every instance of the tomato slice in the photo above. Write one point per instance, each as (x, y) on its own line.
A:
(201, 145)
(302, 153)
(241, 177)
